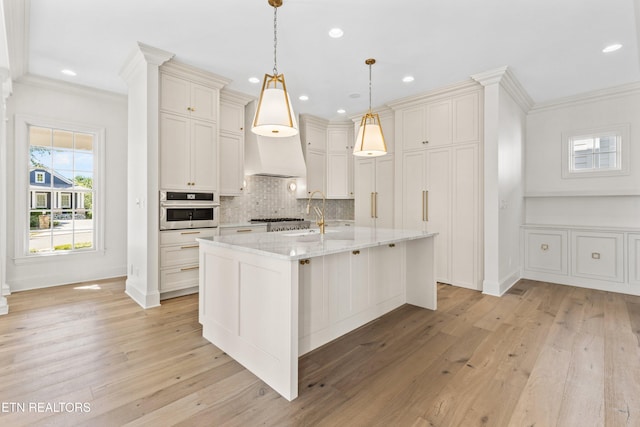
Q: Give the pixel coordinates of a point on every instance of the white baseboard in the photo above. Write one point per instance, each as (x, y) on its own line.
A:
(143, 299)
(580, 282)
(4, 307)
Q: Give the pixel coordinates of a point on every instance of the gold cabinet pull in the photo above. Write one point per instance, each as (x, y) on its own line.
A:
(595, 255)
(375, 204)
(189, 246)
(544, 247)
(426, 205)
(304, 261)
(190, 232)
(244, 230)
(195, 267)
(371, 202)
(392, 245)
(423, 205)
(356, 252)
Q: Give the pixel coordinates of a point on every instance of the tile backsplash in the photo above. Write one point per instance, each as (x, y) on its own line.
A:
(269, 197)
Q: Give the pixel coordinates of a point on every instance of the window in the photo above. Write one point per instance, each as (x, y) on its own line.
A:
(595, 152)
(61, 176)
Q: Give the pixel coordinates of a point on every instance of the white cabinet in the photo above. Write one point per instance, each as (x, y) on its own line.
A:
(386, 272)
(179, 259)
(634, 260)
(340, 161)
(231, 142)
(243, 229)
(546, 251)
(313, 137)
(374, 190)
(598, 255)
(313, 297)
(188, 98)
(188, 154)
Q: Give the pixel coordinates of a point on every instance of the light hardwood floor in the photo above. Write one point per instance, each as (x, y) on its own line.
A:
(543, 355)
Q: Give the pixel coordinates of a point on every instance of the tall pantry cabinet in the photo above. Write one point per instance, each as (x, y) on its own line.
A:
(439, 156)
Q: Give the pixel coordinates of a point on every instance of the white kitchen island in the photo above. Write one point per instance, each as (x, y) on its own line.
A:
(267, 298)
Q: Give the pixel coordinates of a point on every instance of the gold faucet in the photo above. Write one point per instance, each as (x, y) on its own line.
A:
(319, 213)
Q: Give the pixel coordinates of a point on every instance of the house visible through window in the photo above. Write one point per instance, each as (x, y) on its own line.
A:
(61, 184)
(596, 152)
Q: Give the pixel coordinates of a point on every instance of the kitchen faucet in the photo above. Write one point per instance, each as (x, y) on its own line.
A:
(319, 213)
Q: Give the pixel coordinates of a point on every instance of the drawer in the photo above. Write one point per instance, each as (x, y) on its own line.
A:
(225, 231)
(171, 256)
(177, 237)
(173, 279)
(598, 255)
(546, 251)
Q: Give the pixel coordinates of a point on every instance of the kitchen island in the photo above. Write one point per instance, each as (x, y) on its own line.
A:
(267, 298)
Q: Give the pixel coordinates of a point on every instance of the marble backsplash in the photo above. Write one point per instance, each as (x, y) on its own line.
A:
(270, 197)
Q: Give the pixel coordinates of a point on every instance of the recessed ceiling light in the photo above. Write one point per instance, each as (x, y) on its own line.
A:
(303, 98)
(611, 48)
(408, 79)
(341, 111)
(254, 80)
(68, 72)
(354, 95)
(336, 33)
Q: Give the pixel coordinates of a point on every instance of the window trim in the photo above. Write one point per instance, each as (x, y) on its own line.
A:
(40, 177)
(620, 130)
(21, 210)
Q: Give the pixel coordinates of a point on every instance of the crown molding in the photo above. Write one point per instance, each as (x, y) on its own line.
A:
(16, 21)
(593, 96)
(308, 118)
(507, 80)
(199, 75)
(68, 88)
(446, 91)
(141, 55)
(233, 96)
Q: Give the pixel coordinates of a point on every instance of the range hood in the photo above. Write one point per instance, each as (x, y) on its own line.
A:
(281, 157)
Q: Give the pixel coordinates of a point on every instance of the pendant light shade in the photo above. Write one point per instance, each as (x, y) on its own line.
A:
(370, 139)
(274, 116)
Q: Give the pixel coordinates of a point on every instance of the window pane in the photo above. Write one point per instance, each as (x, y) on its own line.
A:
(40, 231)
(84, 142)
(40, 157)
(83, 161)
(83, 180)
(39, 220)
(583, 162)
(606, 144)
(62, 159)
(39, 137)
(606, 160)
(63, 139)
(582, 146)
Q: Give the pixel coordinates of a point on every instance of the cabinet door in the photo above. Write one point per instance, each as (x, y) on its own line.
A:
(338, 140)
(384, 190)
(413, 128)
(364, 187)
(598, 255)
(386, 265)
(413, 209)
(438, 208)
(466, 118)
(546, 251)
(337, 175)
(439, 123)
(359, 281)
(465, 217)
(231, 118)
(316, 168)
(204, 102)
(313, 297)
(204, 156)
(175, 162)
(175, 95)
(315, 138)
(231, 164)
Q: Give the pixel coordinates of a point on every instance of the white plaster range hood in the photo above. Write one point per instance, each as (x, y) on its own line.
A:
(271, 156)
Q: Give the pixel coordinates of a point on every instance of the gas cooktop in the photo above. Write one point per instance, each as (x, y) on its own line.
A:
(275, 219)
(283, 224)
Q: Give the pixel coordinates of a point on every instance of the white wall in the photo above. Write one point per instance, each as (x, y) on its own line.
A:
(48, 99)
(511, 135)
(612, 201)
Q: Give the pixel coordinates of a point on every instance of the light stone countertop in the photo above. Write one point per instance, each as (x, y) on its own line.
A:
(299, 244)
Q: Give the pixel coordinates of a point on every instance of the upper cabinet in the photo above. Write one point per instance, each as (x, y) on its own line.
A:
(440, 122)
(188, 98)
(231, 142)
(313, 137)
(340, 161)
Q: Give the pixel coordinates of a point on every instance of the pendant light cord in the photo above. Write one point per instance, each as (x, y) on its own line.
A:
(275, 41)
(369, 87)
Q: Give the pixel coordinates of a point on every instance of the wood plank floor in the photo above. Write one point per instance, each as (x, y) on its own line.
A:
(542, 355)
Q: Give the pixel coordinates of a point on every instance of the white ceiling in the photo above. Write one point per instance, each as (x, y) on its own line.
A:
(553, 47)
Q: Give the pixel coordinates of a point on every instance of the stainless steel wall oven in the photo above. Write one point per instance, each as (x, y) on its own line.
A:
(182, 210)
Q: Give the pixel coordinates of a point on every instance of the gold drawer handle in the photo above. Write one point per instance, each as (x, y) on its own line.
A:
(304, 261)
(356, 252)
(595, 255)
(195, 267)
(392, 245)
(244, 230)
(190, 232)
(544, 247)
(189, 246)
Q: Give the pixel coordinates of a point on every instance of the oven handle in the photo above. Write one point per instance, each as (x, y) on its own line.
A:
(190, 204)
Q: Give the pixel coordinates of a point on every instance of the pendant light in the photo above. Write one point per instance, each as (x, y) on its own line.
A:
(274, 116)
(370, 140)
